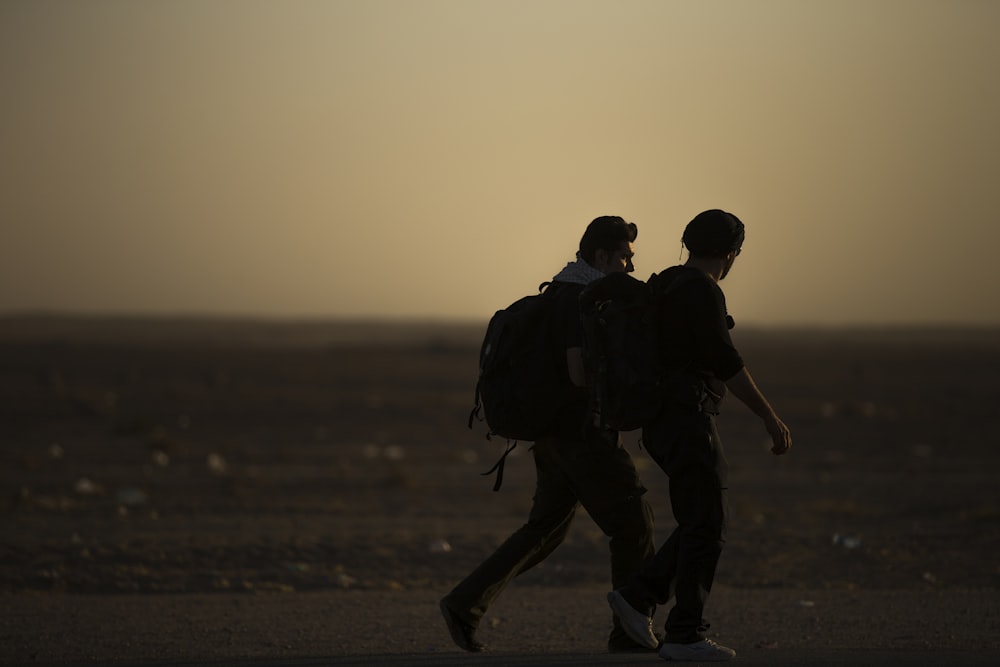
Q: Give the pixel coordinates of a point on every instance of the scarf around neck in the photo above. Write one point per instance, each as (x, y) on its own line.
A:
(578, 272)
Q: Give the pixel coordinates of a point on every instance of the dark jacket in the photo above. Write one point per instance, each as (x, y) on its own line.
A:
(693, 326)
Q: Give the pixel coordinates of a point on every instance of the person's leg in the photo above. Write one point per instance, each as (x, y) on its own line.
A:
(552, 511)
(697, 469)
(611, 492)
(656, 583)
(687, 448)
(608, 486)
(698, 504)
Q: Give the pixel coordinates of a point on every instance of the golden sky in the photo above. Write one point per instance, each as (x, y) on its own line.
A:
(440, 158)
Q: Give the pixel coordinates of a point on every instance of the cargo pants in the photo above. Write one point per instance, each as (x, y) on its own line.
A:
(685, 444)
(597, 473)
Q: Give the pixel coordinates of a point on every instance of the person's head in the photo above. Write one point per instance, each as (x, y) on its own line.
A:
(715, 235)
(607, 244)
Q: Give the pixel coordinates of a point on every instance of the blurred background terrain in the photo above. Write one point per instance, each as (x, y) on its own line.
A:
(154, 455)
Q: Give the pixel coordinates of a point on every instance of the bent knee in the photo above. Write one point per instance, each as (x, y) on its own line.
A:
(632, 519)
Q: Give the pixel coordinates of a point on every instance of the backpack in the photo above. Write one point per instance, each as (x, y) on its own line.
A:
(519, 378)
(629, 385)
(620, 350)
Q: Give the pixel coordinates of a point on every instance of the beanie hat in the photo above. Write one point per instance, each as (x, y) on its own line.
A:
(713, 233)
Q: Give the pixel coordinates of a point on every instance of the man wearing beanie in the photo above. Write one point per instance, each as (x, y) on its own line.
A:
(576, 464)
(699, 362)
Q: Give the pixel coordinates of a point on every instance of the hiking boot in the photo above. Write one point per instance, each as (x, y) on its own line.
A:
(462, 633)
(638, 625)
(704, 651)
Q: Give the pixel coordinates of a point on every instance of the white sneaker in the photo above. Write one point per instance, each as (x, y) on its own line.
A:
(636, 625)
(704, 651)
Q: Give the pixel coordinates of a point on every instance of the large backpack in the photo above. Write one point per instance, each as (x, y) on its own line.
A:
(620, 350)
(520, 380)
(629, 385)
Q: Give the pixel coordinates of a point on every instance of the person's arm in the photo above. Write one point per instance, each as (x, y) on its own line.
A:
(574, 362)
(744, 388)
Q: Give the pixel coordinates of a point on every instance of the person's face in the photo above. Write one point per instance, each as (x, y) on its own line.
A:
(619, 261)
(730, 258)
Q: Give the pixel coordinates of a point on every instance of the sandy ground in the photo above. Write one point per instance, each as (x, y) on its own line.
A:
(182, 492)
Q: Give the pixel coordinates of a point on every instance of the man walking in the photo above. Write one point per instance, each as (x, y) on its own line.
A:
(577, 464)
(699, 362)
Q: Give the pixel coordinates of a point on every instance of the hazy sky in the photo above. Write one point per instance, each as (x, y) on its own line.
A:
(440, 158)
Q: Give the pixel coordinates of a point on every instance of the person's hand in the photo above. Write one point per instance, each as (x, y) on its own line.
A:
(781, 437)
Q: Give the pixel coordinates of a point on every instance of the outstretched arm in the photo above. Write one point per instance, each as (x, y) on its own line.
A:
(745, 389)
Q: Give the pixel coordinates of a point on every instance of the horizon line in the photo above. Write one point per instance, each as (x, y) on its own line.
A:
(428, 319)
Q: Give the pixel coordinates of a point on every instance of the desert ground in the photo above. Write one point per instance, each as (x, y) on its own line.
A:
(182, 491)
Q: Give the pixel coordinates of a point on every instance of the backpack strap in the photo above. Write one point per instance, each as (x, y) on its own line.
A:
(498, 466)
(477, 407)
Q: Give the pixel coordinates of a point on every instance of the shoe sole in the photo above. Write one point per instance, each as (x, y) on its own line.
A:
(695, 656)
(457, 632)
(616, 601)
